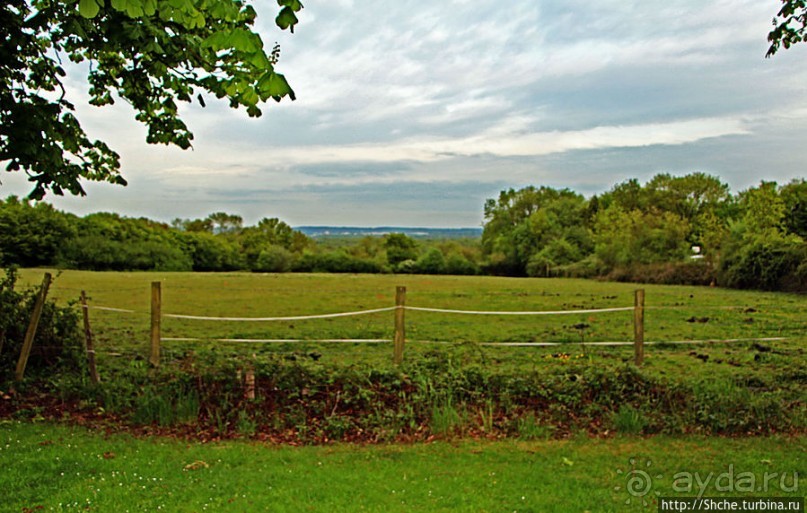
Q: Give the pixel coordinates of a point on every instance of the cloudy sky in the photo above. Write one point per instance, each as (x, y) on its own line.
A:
(412, 113)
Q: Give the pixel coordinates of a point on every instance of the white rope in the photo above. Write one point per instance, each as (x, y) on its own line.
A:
(293, 318)
(488, 312)
(656, 342)
(109, 309)
(280, 340)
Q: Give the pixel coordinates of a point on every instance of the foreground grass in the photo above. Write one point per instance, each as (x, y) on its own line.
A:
(58, 468)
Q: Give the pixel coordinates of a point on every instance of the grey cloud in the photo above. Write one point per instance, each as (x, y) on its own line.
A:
(415, 112)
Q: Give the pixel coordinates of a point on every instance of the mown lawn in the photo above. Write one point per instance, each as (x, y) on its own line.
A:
(59, 468)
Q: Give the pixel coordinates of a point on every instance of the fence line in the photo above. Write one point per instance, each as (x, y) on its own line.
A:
(539, 312)
(618, 343)
(372, 311)
(110, 309)
(292, 318)
(399, 337)
(280, 340)
(421, 309)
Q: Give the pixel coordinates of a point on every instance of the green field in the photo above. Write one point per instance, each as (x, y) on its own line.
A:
(674, 313)
(69, 469)
(566, 410)
(730, 313)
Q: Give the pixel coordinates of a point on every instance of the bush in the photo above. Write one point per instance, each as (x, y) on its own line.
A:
(432, 262)
(335, 262)
(97, 253)
(211, 253)
(274, 259)
(694, 272)
(767, 263)
(58, 339)
(459, 265)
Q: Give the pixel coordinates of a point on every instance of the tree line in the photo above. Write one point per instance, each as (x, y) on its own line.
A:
(688, 229)
(35, 234)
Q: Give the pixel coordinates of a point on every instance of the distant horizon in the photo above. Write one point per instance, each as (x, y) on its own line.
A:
(383, 227)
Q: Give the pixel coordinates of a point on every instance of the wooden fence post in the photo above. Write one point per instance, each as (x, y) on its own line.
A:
(88, 338)
(156, 316)
(638, 327)
(28, 341)
(400, 328)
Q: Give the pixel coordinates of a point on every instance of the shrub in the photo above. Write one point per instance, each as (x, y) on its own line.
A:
(274, 259)
(432, 262)
(628, 420)
(459, 265)
(767, 263)
(335, 262)
(58, 340)
(696, 272)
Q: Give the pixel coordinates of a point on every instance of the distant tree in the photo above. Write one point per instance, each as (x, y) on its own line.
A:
(626, 238)
(211, 252)
(764, 210)
(431, 262)
(225, 223)
(520, 224)
(270, 232)
(150, 53)
(196, 225)
(32, 234)
(106, 241)
(274, 259)
(400, 247)
(794, 196)
(789, 26)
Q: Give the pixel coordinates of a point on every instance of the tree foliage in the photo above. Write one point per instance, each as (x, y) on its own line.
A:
(149, 53)
(789, 26)
(633, 232)
(521, 224)
(646, 231)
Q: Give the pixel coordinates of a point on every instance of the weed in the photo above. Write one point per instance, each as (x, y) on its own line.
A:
(446, 419)
(629, 420)
(245, 425)
(529, 428)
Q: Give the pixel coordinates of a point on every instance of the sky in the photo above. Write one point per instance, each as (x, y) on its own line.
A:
(413, 113)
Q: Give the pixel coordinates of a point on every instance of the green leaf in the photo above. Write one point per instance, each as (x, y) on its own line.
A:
(295, 5)
(88, 8)
(243, 40)
(150, 7)
(249, 97)
(286, 19)
(275, 85)
(134, 9)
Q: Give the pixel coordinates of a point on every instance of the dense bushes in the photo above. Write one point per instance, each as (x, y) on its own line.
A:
(302, 401)
(335, 262)
(694, 272)
(31, 235)
(774, 263)
(650, 233)
(58, 340)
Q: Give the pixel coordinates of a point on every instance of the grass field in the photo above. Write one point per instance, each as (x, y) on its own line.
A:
(673, 313)
(61, 468)
(57, 468)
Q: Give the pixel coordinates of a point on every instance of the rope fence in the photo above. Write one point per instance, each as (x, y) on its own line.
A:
(399, 339)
